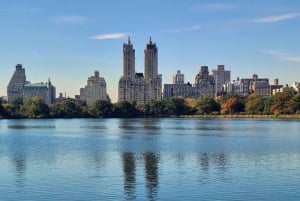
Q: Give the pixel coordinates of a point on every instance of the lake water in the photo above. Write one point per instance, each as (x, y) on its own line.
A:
(150, 159)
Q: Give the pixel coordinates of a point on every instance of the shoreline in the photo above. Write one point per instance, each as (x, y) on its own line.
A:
(246, 116)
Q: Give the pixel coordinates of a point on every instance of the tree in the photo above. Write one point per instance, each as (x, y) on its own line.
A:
(207, 105)
(282, 102)
(174, 106)
(295, 104)
(156, 109)
(254, 104)
(101, 108)
(231, 106)
(66, 109)
(231, 103)
(35, 107)
(2, 110)
(15, 107)
(124, 109)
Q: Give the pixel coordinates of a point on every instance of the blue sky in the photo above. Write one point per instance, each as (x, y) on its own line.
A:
(68, 40)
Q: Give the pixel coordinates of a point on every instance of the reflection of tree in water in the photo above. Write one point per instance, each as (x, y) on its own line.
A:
(129, 175)
(151, 174)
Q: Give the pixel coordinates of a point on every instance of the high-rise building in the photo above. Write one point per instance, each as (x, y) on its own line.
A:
(140, 87)
(16, 84)
(152, 78)
(94, 90)
(128, 60)
(44, 90)
(204, 82)
(221, 77)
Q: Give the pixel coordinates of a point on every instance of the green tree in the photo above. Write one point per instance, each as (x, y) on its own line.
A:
(124, 109)
(66, 109)
(15, 107)
(101, 108)
(155, 109)
(174, 106)
(295, 104)
(207, 105)
(35, 107)
(268, 101)
(254, 104)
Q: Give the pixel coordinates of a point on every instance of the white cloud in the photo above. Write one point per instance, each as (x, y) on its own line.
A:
(284, 56)
(109, 36)
(186, 29)
(277, 18)
(71, 19)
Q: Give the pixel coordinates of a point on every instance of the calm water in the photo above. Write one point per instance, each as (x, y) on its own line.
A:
(150, 159)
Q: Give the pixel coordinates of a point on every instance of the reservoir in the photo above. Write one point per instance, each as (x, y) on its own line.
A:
(150, 159)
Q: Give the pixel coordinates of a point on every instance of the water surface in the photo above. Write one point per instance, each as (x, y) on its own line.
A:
(150, 159)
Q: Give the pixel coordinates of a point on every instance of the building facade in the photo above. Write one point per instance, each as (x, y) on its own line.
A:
(140, 87)
(179, 88)
(234, 87)
(204, 83)
(221, 77)
(44, 90)
(16, 84)
(94, 90)
(260, 86)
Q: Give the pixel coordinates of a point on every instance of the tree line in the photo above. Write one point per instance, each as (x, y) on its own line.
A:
(282, 103)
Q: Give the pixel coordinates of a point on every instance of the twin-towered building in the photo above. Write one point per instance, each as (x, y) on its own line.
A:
(140, 87)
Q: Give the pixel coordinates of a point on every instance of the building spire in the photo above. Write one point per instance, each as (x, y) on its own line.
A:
(129, 42)
(150, 41)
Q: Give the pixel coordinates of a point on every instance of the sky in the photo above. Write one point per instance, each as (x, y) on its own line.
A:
(68, 40)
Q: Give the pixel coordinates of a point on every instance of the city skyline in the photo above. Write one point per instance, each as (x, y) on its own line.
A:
(66, 43)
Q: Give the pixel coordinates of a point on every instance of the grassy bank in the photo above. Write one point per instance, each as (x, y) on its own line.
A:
(291, 116)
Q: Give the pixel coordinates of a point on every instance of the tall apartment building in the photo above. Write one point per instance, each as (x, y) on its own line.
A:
(16, 84)
(152, 78)
(179, 88)
(140, 87)
(221, 77)
(204, 82)
(44, 90)
(94, 90)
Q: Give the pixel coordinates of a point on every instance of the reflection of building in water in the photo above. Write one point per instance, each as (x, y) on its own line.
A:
(129, 175)
(218, 161)
(151, 174)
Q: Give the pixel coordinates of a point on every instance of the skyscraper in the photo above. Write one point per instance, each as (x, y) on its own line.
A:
(221, 76)
(140, 87)
(152, 78)
(128, 60)
(16, 84)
